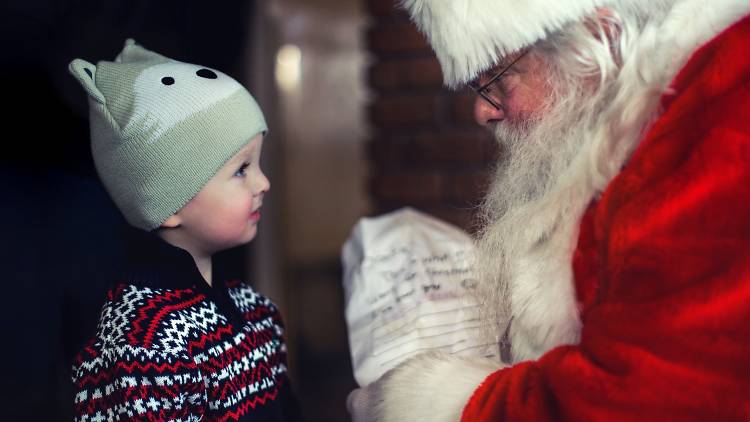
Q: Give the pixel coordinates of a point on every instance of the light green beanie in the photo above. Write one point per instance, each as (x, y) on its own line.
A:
(160, 129)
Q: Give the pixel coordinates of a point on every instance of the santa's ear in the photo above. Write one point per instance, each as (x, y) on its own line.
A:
(172, 222)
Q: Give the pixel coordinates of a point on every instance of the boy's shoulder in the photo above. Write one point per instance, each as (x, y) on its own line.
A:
(248, 300)
(131, 329)
(164, 318)
(161, 321)
(155, 318)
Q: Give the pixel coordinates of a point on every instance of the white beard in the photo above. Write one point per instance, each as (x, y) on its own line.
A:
(532, 217)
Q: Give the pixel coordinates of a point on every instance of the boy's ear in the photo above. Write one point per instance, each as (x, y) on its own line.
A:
(85, 73)
(133, 52)
(173, 221)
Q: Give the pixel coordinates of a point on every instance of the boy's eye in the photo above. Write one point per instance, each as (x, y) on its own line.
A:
(241, 171)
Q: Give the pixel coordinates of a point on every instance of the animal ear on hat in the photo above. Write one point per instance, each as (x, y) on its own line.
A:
(85, 73)
(132, 52)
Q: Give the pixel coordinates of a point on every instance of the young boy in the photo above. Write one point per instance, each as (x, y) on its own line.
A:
(177, 146)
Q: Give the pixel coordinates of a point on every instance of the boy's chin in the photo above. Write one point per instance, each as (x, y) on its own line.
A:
(240, 239)
(248, 235)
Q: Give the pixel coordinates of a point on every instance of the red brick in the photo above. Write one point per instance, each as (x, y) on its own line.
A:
(390, 152)
(428, 152)
(382, 7)
(463, 217)
(467, 187)
(462, 107)
(420, 72)
(408, 187)
(396, 37)
(469, 148)
(389, 111)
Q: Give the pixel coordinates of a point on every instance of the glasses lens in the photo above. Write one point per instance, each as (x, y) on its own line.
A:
(484, 91)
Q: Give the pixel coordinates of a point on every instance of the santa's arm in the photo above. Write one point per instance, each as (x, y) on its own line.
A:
(673, 346)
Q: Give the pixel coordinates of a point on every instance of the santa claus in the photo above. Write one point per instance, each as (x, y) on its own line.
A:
(616, 244)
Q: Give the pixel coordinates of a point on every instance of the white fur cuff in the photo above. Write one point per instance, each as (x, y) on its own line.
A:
(431, 387)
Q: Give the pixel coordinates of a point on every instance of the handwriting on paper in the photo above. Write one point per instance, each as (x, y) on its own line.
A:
(410, 280)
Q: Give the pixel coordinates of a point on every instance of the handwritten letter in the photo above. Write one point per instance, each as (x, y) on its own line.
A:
(408, 279)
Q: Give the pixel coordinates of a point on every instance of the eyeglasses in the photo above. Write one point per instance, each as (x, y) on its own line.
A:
(485, 89)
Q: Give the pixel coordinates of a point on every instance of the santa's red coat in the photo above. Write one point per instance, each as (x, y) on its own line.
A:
(662, 270)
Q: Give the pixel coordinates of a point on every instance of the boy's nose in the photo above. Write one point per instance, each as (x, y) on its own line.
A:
(262, 184)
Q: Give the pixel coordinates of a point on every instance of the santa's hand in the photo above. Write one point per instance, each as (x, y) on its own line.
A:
(362, 403)
(356, 404)
(431, 387)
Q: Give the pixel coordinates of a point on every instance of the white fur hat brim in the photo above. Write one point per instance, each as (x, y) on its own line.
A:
(469, 36)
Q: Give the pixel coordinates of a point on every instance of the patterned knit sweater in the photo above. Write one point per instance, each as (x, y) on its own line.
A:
(170, 347)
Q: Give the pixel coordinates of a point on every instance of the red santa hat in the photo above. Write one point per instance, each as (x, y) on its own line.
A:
(469, 36)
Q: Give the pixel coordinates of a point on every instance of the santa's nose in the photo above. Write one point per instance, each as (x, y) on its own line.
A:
(485, 113)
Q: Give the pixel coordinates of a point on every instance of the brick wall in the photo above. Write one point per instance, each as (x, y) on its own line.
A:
(426, 151)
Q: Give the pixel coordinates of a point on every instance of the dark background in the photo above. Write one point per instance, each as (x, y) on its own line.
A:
(61, 235)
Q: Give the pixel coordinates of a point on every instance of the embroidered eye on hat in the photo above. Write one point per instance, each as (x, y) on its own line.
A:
(161, 129)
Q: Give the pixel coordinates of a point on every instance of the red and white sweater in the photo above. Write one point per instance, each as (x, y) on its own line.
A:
(170, 347)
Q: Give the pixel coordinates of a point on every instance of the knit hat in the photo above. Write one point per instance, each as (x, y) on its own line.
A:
(470, 36)
(161, 129)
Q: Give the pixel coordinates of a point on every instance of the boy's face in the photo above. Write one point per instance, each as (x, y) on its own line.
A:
(226, 211)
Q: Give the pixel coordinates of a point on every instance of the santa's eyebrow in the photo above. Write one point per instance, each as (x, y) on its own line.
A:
(494, 69)
(504, 62)
(510, 59)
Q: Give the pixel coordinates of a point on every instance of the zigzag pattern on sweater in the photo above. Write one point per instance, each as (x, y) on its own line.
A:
(163, 354)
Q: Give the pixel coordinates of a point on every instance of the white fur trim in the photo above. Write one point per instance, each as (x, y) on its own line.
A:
(470, 35)
(432, 387)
